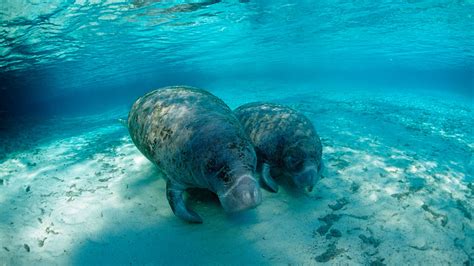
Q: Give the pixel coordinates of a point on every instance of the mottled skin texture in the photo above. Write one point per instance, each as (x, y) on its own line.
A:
(285, 141)
(196, 141)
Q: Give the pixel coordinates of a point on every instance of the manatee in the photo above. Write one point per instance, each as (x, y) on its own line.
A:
(196, 141)
(286, 144)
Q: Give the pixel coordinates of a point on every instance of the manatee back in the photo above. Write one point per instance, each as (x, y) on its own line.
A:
(274, 128)
(163, 123)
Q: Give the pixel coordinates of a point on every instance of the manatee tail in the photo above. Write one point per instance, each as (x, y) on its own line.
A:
(123, 122)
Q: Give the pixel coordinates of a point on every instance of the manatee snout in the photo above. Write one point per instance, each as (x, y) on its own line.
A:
(309, 176)
(306, 178)
(243, 194)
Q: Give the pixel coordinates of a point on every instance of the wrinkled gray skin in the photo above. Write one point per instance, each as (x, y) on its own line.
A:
(286, 143)
(197, 142)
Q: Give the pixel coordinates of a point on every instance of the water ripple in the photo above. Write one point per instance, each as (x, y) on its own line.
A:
(211, 33)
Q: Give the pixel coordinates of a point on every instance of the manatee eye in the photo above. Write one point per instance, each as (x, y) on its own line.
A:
(290, 161)
(224, 176)
(220, 171)
(295, 163)
(211, 166)
(295, 160)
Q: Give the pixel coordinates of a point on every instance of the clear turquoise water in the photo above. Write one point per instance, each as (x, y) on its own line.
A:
(93, 48)
(389, 86)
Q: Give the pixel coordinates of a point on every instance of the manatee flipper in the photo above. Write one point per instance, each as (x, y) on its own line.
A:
(174, 194)
(267, 179)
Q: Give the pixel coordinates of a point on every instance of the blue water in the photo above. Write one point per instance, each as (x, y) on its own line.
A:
(389, 86)
(95, 49)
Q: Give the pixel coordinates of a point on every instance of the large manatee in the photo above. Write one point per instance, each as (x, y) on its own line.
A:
(285, 141)
(197, 142)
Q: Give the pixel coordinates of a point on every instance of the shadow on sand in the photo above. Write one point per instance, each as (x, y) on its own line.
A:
(168, 240)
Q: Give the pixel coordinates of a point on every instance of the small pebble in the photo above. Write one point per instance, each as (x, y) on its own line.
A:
(335, 233)
(41, 242)
(323, 229)
(355, 187)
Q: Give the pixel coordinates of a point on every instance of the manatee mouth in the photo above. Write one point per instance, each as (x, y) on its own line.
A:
(242, 195)
(307, 178)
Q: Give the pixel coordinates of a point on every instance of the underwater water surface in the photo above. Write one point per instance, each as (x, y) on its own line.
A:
(388, 85)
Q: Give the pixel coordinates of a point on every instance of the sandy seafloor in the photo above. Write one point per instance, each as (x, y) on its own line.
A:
(398, 190)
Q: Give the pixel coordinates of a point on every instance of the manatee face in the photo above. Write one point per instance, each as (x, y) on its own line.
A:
(243, 193)
(303, 166)
(286, 142)
(231, 175)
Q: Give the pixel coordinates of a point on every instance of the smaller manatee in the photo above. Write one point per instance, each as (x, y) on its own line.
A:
(285, 141)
